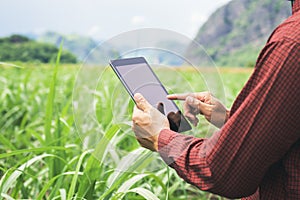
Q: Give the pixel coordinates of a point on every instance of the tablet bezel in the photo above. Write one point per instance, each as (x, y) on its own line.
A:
(141, 60)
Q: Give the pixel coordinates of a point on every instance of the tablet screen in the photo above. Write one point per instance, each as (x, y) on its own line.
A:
(138, 77)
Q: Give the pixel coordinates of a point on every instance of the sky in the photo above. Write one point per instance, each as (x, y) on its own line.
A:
(103, 19)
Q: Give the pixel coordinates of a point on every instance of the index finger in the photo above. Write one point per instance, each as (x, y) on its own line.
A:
(178, 96)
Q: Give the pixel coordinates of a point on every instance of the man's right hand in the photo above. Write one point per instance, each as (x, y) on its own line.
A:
(203, 103)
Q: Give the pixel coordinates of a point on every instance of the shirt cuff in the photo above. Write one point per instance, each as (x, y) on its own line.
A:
(164, 145)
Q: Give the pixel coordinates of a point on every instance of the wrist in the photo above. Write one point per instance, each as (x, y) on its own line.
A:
(164, 138)
(227, 115)
(156, 139)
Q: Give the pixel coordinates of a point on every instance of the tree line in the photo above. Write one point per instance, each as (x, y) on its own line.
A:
(21, 48)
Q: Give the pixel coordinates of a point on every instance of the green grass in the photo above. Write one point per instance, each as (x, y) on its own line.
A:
(50, 150)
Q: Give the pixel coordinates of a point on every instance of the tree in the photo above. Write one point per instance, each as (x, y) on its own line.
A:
(20, 48)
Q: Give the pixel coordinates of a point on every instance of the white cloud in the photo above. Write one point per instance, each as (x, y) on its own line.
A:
(94, 31)
(133, 14)
(137, 20)
(39, 30)
(197, 18)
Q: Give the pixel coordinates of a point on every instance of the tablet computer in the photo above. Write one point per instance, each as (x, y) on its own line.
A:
(137, 77)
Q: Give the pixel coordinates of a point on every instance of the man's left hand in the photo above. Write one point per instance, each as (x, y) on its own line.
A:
(148, 122)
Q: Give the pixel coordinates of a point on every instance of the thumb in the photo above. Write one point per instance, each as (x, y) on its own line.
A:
(193, 102)
(202, 108)
(141, 102)
(161, 108)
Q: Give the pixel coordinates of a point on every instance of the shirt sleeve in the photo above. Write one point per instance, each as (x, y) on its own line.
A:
(261, 129)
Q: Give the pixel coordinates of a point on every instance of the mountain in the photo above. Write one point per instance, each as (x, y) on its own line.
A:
(80, 46)
(93, 52)
(235, 33)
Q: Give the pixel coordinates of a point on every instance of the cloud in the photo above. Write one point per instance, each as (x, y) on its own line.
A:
(94, 31)
(197, 18)
(39, 30)
(137, 20)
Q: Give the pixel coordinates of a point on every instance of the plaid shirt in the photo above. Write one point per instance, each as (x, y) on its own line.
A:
(256, 154)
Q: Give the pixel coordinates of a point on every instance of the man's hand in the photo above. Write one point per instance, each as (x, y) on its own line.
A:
(203, 103)
(148, 122)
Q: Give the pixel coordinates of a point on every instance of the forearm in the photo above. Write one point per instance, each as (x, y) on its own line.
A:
(234, 160)
(184, 154)
(195, 161)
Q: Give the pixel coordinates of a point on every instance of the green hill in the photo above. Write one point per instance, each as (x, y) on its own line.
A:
(235, 33)
(20, 48)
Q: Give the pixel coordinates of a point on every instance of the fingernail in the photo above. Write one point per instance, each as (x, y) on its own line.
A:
(138, 96)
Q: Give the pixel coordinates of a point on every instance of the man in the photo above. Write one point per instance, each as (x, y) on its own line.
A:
(256, 153)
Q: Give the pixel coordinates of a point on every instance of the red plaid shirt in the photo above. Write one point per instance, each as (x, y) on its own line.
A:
(256, 154)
